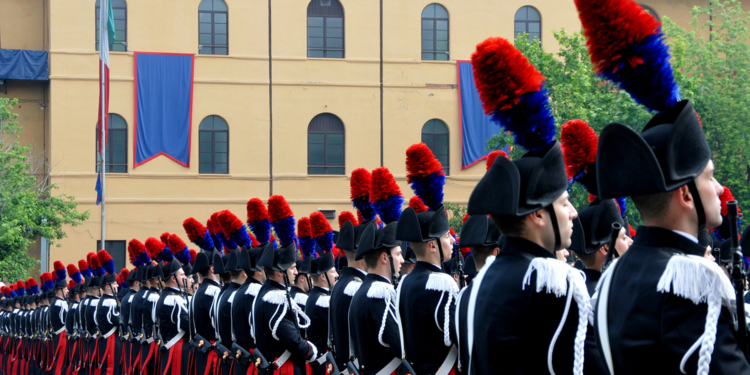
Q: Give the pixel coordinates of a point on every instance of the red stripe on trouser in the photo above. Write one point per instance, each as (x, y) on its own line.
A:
(174, 361)
(108, 357)
(72, 370)
(136, 369)
(252, 370)
(153, 353)
(16, 362)
(211, 361)
(62, 347)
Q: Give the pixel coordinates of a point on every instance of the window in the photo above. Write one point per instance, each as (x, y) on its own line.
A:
(325, 145)
(213, 34)
(325, 29)
(435, 33)
(529, 21)
(116, 249)
(116, 152)
(120, 14)
(651, 11)
(435, 136)
(213, 134)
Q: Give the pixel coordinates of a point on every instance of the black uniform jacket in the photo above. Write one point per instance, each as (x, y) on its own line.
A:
(58, 313)
(318, 303)
(514, 324)
(341, 298)
(136, 315)
(374, 327)
(649, 331)
(242, 307)
(172, 316)
(224, 315)
(107, 315)
(201, 313)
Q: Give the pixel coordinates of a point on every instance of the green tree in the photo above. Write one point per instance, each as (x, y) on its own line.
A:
(714, 73)
(28, 210)
(456, 214)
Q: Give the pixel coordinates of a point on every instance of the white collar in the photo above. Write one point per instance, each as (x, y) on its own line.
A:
(686, 235)
(360, 271)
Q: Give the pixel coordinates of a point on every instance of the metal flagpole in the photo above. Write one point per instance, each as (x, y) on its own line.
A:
(103, 139)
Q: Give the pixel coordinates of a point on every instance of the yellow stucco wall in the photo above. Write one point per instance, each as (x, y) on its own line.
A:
(157, 196)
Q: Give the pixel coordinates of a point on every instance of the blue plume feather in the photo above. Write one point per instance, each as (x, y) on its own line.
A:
(227, 241)
(141, 260)
(205, 242)
(218, 240)
(35, 289)
(183, 256)
(284, 229)
(389, 209)
(530, 121)
(650, 83)
(98, 272)
(61, 274)
(262, 230)
(306, 246)
(363, 205)
(622, 205)
(12, 294)
(165, 255)
(86, 273)
(241, 237)
(124, 285)
(76, 277)
(109, 267)
(429, 188)
(325, 241)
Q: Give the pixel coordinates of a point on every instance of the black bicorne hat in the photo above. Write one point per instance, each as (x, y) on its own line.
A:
(278, 259)
(410, 257)
(131, 276)
(424, 226)
(218, 263)
(522, 186)
(157, 271)
(304, 266)
(479, 231)
(96, 282)
(170, 268)
(670, 152)
(349, 235)
(374, 239)
(233, 261)
(745, 242)
(187, 268)
(250, 261)
(202, 262)
(596, 224)
(61, 284)
(322, 264)
(109, 279)
(470, 266)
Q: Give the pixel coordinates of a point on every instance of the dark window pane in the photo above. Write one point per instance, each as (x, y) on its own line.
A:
(316, 138)
(222, 168)
(220, 40)
(220, 17)
(337, 159)
(314, 42)
(334, 22)
(429, 11)
(317, 159)
(205, 157)
(427, 24)
(205, 168)
(204, 28)
(221, 136)
(220, 157)
(335, 54)
(316, 148)
(335, 149)
(533, 14)
(204, 17)
(441, 46)
(441, 25)
(334, 32)
(315, 53)
(335, 170)
(441, 35)
(334, 43)
(205, 39)
(316, 170)
(440, 12)
(428, 45)
(222, 147)
(441, 56)
(335, 139)
(428, 56)
(204, 137)
(220, 51)
(522, 14)
(533, 27)
(315, 21)
(315, 32)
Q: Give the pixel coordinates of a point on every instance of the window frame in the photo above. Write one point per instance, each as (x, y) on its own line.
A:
(326, 166)
(108, 248)
(213, 46)
(325, 49)
(434, 51)
(527, 22)
(447, 133)
(123, 43)
(108, 150)
(213, 145)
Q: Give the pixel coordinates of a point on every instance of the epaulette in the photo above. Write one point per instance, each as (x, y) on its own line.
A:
(441, 282)
(153, 297)
(231, 297)
(276, 297)
(253, 289)
(60, 302)
(85, 302)
(212, 290)
(381, 290)
(323, 301)
(109, 302)
(352, 287)
(130, 299)
(173, 299)
(300, 299)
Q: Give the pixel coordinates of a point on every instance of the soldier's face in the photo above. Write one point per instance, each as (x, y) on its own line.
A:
(332, 275)
(398, 258)
(709, 190)
(565, 213)
(446, 241)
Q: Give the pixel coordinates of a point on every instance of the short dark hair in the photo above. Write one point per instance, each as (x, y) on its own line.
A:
(235, 274)
(652, 205)
(226, 277)
(204, 273)
(268, 272)
(587, 259)
(371, 259)
(510, 226)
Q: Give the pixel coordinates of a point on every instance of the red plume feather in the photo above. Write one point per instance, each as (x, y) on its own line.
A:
(360, 183)
(230, 223)
(632, 231)
(124, 273)
(256, 210)
(32, 283)
(164, 237)
(345, 216)
(279, 208)
(493, 155)
(154, 247)
(463, 220)
(579, 146)
(319, 224)
(58, 265)
(175, 243)
(383, 185)
(359, 217)
(95, 262)
(725, 197)
(135, 248)
(421, 162)
(83, 265)
(193, 254)
(103, 256)
(89, 256)
(503, 74)
(72, 269)
(416, 203)
(303, 228)
(194, 229)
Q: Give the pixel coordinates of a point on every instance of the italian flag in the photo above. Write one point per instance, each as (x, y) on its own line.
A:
(106, 39)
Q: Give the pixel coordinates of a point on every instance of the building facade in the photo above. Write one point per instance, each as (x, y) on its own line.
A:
(296, 124)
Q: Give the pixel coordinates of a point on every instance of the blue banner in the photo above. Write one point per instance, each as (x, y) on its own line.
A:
(476, 127)
(24, 64)
(163, 106)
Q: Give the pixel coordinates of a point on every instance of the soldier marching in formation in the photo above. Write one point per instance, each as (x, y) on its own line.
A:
(395, 292)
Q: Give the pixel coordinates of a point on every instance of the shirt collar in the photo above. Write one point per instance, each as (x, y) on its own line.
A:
(686, 235)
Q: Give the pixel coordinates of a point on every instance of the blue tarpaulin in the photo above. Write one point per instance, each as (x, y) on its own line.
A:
(476, 127)
(24, 64)
(163, 106)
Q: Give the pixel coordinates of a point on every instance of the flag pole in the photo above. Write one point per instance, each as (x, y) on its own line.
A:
(103, 43)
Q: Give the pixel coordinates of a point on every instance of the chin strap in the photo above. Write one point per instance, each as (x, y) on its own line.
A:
(440, 250)
(698, 204)
(555, 227)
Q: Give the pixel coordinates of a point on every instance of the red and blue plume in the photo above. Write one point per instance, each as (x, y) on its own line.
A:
(622, 205)
(282, 219)
(107, 263)
(179, 248)
(198, 234)
(385, 195)
(493, 155)
(60, 270)
(74, 273)
(321, 231)
(722, 231)
(193, 254)
(124, 273)
(417, 204)
(154, 248)
(235, 229)
(139, 257)
(360, 193)
(304, 236)
(425, 175)
(83, 267)
(258, 220)
(215, 231)
(627, 46)
(20, 288)
(164, 237)
(345, 216)
(512, 92)
(96, 266)
(33, 286)
(6, 291)
(579, 147)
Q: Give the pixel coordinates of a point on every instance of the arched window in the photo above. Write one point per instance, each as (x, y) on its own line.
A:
(325, 29)
(650, 10)
(120, 14)
(529, 21)
(116, 152)
(325, 145)
(213, 135)
(213, 33)
(435, 33)
(435, 136)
